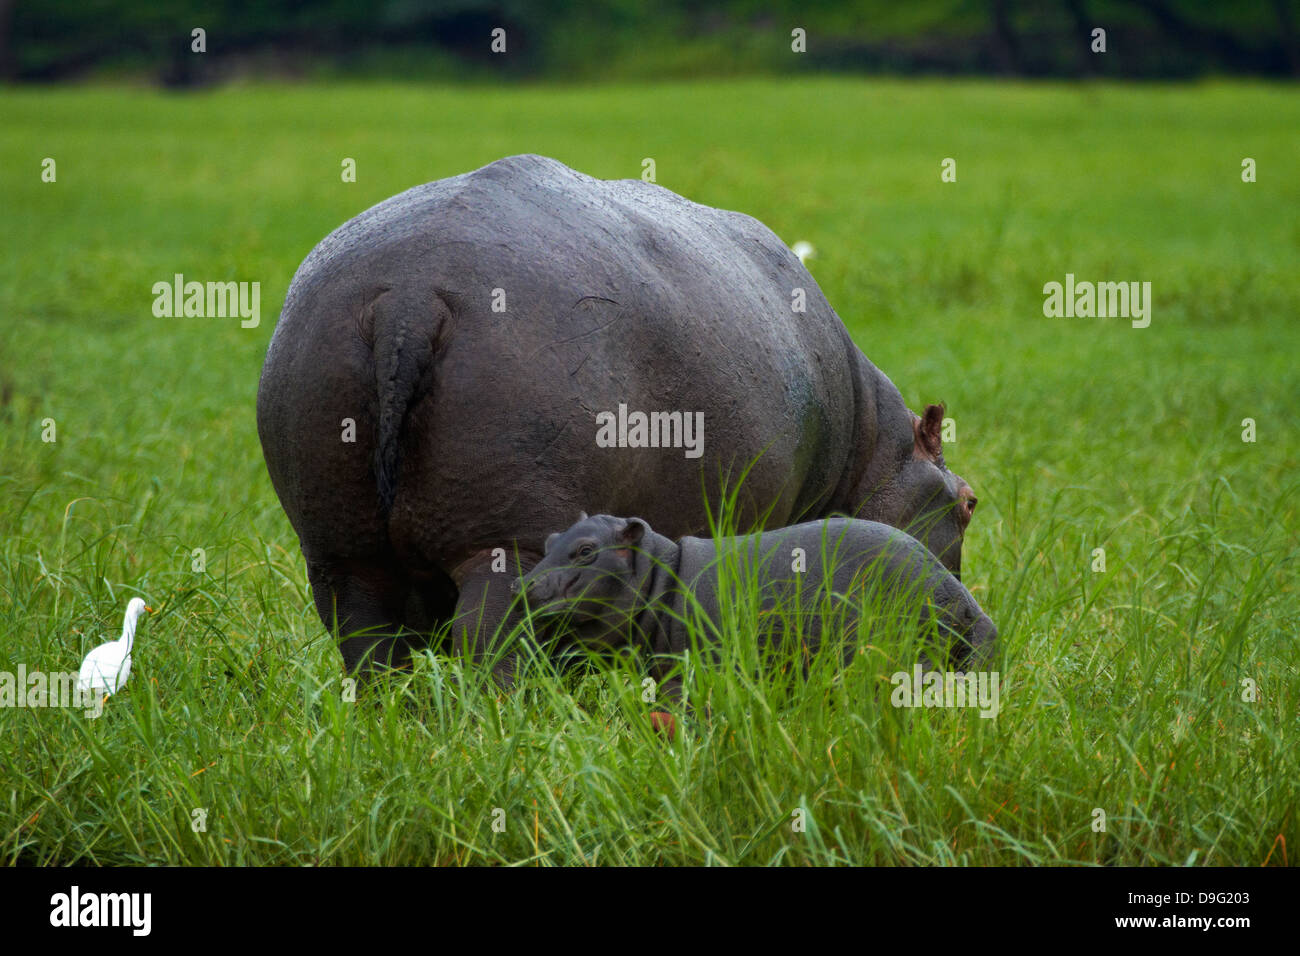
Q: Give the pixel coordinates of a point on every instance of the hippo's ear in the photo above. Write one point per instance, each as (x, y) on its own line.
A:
(582, 516)
(550, 540)
(633, 531)
(928, 431)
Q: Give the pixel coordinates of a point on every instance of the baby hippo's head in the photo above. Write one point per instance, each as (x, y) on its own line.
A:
(588, 571)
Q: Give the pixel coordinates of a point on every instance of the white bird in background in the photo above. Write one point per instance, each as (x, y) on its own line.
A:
(804, 250)
(107, 667)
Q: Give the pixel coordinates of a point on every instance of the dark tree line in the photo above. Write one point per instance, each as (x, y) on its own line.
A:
(44, 40)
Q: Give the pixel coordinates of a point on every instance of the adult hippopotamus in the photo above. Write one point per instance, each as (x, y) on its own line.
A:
(615, 582)
(463, 366)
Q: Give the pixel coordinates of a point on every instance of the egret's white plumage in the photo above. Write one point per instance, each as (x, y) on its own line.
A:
(107, 667)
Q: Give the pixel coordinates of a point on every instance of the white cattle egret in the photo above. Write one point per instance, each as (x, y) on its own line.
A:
(804, 250)
(107, 667)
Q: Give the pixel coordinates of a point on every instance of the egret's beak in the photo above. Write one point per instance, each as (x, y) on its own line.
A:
(149, 609)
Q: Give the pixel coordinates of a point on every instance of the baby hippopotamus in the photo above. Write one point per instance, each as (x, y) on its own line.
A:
(620, 583)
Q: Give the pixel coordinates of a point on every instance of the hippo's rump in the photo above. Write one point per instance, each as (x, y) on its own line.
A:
(544, 297)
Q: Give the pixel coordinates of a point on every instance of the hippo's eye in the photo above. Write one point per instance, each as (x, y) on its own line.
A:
(586, 551)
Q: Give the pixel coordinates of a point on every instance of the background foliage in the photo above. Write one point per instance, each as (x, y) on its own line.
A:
(568, 39)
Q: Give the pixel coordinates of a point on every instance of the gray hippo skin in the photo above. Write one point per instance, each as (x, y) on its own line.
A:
(614, 582)
(475, 428)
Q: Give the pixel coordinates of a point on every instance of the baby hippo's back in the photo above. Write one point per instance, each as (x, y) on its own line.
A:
(820, 577)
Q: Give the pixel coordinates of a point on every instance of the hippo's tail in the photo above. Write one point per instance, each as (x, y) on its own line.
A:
(405, 332)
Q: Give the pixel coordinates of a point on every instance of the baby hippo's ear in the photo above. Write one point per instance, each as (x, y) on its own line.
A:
(633, 531)
(582, 516)
(550, 540)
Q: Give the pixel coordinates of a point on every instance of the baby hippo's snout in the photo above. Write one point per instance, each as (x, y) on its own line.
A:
(538, 586)
(547, 586)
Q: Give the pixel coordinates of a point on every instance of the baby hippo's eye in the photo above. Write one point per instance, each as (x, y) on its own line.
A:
(586, 551)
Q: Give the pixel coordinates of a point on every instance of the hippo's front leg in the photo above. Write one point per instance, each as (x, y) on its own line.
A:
(484, 615)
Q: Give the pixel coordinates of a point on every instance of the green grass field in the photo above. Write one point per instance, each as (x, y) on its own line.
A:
(1122, 690)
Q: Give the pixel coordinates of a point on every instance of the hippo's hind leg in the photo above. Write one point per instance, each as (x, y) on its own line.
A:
(486, 608)
(370, 604)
